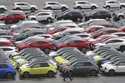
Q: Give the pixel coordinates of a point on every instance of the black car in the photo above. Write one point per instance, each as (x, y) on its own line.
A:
(71, 15)
(84, 67)
(99, 14)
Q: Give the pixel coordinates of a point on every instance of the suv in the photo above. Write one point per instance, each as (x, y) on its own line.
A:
(85, 5)
(113, 4)
(55, 5)
(114, 67)
(24, 6)
(45, 15)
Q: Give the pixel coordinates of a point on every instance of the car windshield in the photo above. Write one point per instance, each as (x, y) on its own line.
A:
(22, 4)
(52, 3)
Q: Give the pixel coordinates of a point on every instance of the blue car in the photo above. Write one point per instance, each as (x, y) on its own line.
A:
(7, 71)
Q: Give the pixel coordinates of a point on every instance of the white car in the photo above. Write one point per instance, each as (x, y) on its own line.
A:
(64, 23)
(45, 15)
(24, 6)
(113, 4)
(83, 4)
(114, 67)
(8, 50)
(117, 43)
(51, 5)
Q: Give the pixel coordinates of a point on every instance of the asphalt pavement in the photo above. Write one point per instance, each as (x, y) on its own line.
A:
(58, 79)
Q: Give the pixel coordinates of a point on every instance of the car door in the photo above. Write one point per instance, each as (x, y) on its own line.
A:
(56, 6)
(44, 68)
(35, 68)
(86, 5)
(40, 17)
(120, 67)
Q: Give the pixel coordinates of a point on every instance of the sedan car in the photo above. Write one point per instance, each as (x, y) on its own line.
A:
(13, 17)
(36, 42)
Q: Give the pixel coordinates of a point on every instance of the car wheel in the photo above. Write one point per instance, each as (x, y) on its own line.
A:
(49, 8)
(78, 7)
(33, 9)
(122, 6)
(111, 72)
(93, 73)
(10, 76)
(51, 74)
(49, 20)
(107, 7)
(33, 18)
(17, 8)
(26, 74)
(93, 7)
(63, 8)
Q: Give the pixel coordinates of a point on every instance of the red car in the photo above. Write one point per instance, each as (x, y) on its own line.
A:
(104, 32)
(75, 42)
(5, 42)
(12, 17)
(35, 42)
(94, 28)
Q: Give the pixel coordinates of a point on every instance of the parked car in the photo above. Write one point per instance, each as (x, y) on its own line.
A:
(99, 14)
(45, 15)
(36, 42)
(13, 17)
(113, 4)
(114, 67)
(73, 15)
(51, 5)
(35, 67)
(85, 5)
(25, 6)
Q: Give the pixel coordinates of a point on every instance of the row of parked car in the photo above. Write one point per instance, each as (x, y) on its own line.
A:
(89, 46)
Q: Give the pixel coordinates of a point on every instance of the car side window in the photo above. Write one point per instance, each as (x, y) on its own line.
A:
(87, 64)
(114, 41)
(44, 64)
(3, 66)
(36, 66)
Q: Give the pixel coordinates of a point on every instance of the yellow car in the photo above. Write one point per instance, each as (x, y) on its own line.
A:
(38, 67)
(61, 60)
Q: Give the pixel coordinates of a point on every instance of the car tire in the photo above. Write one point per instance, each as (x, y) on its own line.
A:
(49, 8)
(33, 18)
(49, 20)
(10, 76)
(78, 7)
(122, 6)
(51, 74)
(26, 75)
(17, 8)
(63, 8)
(93, 73)
(93, 7)
(111, 72)
(107, 7)
(33, 9)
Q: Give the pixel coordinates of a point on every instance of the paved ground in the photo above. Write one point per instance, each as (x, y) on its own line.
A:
(100, 79)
